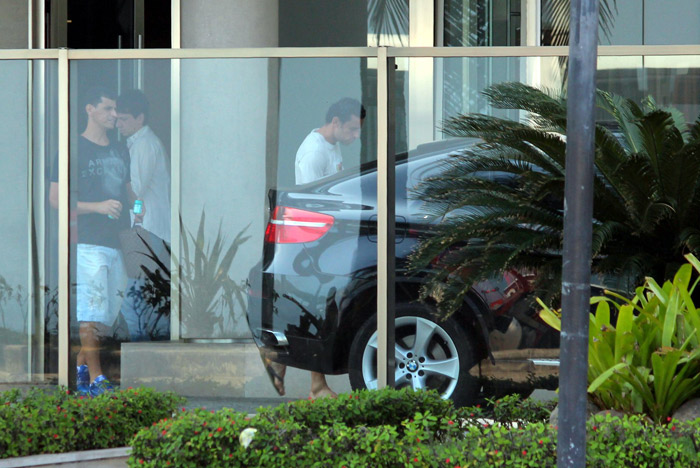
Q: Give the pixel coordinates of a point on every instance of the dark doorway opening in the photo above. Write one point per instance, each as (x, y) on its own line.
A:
(109, 24)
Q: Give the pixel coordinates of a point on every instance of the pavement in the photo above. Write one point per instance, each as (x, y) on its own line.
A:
(243, 405)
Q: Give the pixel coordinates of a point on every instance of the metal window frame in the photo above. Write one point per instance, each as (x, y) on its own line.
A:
(385, 59)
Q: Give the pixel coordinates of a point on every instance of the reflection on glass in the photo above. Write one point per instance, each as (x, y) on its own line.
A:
(310, 23)
(101, 204)
(28, 293)
(146, 247)
(315, 286)
(465, 79)
(492, 343)
(474, 23)
(387, 23)
(672, 81)
(120, 189)
(476, 210)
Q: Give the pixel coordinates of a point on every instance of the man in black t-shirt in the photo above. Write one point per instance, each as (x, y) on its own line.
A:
(104, 197)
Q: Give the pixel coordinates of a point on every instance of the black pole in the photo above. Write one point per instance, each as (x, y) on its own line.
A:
(578, 213)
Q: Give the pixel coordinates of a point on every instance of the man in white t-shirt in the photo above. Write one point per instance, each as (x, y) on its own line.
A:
(319, 154)
(150, 179)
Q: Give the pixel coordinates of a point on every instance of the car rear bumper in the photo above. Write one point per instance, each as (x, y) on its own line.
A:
(290, 331)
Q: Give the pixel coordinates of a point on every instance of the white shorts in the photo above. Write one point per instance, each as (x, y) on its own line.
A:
(100, 283)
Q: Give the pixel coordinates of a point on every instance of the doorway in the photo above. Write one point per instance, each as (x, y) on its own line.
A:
(109, 24)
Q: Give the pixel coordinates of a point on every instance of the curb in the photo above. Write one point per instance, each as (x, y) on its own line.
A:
(69, 457)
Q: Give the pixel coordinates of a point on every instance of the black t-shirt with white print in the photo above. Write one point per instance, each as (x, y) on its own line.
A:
(102, 172)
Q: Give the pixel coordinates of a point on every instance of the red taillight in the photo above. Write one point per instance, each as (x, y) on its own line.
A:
(292, 225)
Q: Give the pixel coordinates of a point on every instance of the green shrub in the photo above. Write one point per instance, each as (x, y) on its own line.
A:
(335, 433)
(361, 408)
(364, 428)
(60, 421)
(644, 354)
(514, 409)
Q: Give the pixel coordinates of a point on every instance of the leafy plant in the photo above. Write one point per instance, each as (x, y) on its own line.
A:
(513, 409)
(206, 290)
(58, 420)
(646, 200)
(206, 286)
(644, 354)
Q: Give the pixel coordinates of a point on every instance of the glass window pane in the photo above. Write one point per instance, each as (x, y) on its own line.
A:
(494, 316)
(28, 307)
(120, 146)
(274, 239)
(463, 198)
(358, 23)
(510, 22)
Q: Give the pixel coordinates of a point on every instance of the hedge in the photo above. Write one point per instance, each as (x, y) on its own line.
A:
(58, 420)
(390, 428)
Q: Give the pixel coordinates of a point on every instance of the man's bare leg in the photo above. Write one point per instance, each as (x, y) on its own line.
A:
(319, 387)
(90, 348)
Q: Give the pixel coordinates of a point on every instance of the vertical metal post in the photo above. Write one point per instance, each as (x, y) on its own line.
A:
(175, 122)
(31, 251)
(421, 104)
(63, 219)
(38, 205)
(386, 195)
(175, 26)
(578, 213)
(174, 199)
(139, 34)
(37, 218)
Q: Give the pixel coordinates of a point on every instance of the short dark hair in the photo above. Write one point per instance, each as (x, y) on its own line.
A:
(345, 109)
(133, 102)
(95, 94)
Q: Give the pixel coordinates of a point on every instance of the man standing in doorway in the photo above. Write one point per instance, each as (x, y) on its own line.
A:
(319, 156)
(150, 180)
(103, 198)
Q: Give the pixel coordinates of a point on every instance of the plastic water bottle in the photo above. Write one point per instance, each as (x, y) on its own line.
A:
(138, 207)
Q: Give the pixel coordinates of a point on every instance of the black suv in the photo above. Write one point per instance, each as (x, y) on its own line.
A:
(312, 299)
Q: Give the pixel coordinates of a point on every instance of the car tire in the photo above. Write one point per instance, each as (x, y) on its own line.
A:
(441, 360)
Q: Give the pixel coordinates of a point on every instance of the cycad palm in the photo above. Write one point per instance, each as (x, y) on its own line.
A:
(646, 202)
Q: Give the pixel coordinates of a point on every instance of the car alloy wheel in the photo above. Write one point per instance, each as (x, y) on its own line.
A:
(430, 354)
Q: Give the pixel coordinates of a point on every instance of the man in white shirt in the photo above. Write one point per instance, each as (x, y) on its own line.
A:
(150, 179)
(319, 154)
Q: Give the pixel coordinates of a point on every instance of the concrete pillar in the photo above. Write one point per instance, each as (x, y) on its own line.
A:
(229, 111)
(229, 23)
(14, 28)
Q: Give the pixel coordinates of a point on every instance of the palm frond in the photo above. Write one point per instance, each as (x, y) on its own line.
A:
(646, 201)
(388, 18)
